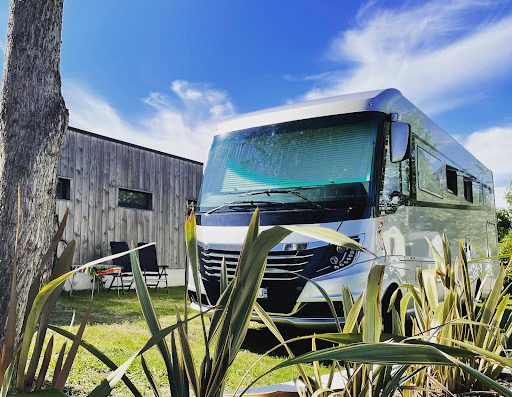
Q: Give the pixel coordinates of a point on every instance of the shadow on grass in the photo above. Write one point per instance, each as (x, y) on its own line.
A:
(262, 340)
(109, 308)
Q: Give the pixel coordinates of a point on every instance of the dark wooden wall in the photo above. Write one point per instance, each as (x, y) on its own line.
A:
(97, 167)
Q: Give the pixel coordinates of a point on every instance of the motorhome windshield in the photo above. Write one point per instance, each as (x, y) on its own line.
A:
(318, 163)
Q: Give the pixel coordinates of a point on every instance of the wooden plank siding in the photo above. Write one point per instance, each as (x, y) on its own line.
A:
(97, 167)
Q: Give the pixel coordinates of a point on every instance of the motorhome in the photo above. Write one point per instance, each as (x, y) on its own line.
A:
(370, 165)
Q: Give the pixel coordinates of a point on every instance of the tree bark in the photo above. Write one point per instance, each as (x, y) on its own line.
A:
(33, 121)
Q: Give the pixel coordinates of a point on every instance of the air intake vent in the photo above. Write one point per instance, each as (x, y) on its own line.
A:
(281, 265)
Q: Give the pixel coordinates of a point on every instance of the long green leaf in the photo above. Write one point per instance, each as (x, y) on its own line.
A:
(62, 266)
(44, 365)
(506, 362)
(149, 376)
(502, 390)
(192, 253)
(351, 319)
(148, 310)
(250, 281)
(58, 364)
(490, 304)
(371, 353)
(70, 357)
(328, 235)
(269, 323)
(193, 261)
(4, 386)
(55, 240)
(186, 353)
(38, 305)
(352, 338)
(98, 354)
(372, 320)
(106, 386)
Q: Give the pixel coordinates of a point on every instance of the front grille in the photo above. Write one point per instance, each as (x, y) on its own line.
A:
(281, 279)
(281, 265)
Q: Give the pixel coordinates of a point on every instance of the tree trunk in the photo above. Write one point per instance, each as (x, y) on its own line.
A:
(33, 121)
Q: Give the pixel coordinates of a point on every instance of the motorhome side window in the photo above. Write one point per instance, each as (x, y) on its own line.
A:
(429, 173)
(487, 196)
(395, 190)
(451, 180)
(468, 189)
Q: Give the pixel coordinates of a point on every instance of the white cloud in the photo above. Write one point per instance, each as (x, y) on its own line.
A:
(437, 55)
(493, 147)
(428, 51)
(181, 122)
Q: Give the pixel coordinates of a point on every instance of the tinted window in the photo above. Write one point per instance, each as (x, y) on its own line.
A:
(468, 189)
(429, 173)
(135, 199)
(64, 189)
(329, 159)
(488, 197)
(451, 180)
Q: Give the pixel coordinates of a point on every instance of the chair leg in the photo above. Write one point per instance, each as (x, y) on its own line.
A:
(117, 277)
(114, 277)
(122, 282)
(71, 287)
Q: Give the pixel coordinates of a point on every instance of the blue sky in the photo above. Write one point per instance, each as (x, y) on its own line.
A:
(163, 73)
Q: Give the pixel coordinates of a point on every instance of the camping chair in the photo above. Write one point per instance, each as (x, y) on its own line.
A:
(149, 266)
(123, 262)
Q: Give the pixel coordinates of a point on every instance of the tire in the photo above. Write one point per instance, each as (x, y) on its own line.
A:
(387, 317)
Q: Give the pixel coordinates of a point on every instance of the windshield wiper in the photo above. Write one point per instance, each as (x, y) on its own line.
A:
(241, 203)
(294, 191)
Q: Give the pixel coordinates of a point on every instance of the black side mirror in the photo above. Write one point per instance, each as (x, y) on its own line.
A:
(400, 137)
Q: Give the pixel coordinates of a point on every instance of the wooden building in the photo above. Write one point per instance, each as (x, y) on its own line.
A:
(118, 191)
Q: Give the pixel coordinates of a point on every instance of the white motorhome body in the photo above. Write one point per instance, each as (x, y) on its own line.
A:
(370, 165)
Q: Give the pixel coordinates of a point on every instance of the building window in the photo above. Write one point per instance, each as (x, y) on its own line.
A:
(451, 180)
(135, 199)
(429, 173)
(64, 189)
(468, 189)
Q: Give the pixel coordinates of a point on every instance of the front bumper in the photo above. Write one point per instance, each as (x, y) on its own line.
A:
(299, 322)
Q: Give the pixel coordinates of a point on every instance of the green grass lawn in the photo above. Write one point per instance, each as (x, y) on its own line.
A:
(118, 329)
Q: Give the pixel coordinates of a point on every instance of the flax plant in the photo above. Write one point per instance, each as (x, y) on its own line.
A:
(24, 370)
(458, 344)
(461, 313)
(228, 322)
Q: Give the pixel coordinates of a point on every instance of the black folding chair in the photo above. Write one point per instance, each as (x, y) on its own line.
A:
(123, 262)
(149, 266)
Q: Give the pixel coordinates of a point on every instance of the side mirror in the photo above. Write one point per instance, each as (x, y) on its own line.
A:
(400, 136)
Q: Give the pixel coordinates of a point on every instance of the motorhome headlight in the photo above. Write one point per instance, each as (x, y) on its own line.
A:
(340, 250)
(336, 258)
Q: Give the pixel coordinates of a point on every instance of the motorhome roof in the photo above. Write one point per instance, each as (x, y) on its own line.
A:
(378, 100)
